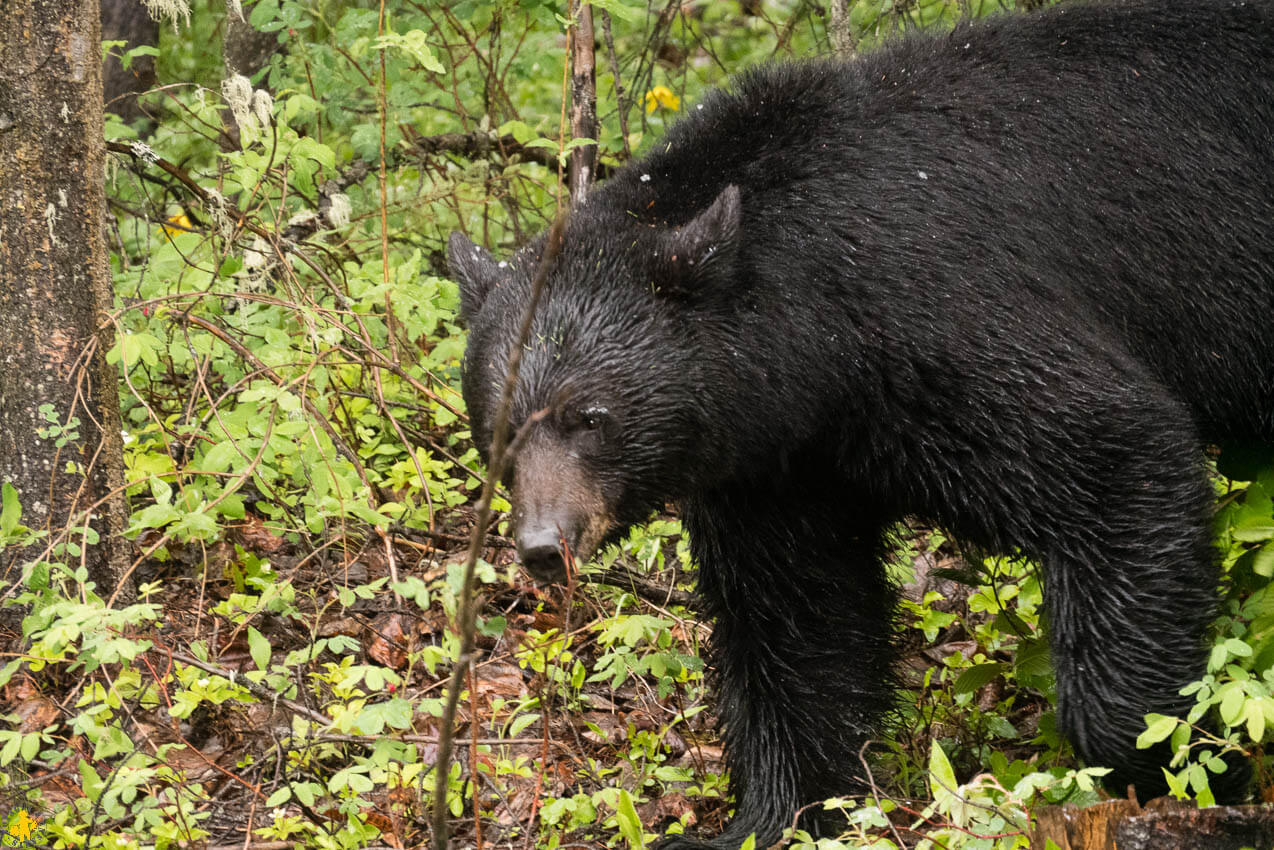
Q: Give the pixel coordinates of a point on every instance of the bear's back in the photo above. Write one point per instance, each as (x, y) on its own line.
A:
(1112, 164)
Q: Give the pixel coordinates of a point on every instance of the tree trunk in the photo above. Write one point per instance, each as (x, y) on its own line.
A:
(583, 163)
(243, 49)
(55, 285)
(127, 21)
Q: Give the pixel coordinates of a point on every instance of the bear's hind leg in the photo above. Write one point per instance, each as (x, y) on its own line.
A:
(1131, 588)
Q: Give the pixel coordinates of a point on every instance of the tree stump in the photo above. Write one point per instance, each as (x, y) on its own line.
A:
(1162, 825)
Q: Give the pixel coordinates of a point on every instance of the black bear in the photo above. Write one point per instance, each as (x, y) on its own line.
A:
(1008, 280)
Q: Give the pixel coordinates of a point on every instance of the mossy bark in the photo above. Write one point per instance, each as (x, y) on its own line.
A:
(55, 286)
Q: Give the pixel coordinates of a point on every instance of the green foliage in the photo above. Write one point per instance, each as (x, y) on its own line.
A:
(12, 532)
(982, 814)
(60, 432)
(987, 700)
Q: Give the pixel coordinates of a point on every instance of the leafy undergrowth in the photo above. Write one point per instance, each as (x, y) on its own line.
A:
(265, 690)
(262, 687)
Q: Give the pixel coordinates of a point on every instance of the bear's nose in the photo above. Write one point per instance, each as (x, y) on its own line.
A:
(541, 554)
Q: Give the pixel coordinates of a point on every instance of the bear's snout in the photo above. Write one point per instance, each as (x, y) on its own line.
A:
(540, 550)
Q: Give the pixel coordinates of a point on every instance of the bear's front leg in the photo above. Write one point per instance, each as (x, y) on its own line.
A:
(802, 652)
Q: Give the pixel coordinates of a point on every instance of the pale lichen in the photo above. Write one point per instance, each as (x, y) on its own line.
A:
(252, 111)
(162, 10)
(50, 218)
(339, 212)
(263, 107)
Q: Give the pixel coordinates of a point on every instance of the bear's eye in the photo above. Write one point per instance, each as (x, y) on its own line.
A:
(593, 423)
(591, 419)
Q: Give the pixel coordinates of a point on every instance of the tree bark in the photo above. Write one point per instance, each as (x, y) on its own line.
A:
(838, 29)
(1162, 825)
(55, 285)
(244, 50)
(127, 21)
(583, 162)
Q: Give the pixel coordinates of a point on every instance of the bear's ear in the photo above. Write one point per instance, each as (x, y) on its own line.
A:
(474, 269)
(704, 248)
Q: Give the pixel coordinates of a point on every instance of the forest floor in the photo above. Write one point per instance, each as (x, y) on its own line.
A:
(575, 692)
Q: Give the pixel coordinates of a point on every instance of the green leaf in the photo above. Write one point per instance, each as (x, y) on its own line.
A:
(978, 676)
(90, 782)
(1254, 519)
(619, 9)
(1251, 529)
(259, 648)
(305, 792)
(308, 148)
(220, 457)
(414, 589)
(414, 45)
(1217, 658)
(1263, 563)
(6, 674)
(1176, 784)
(629, 823)
(397, 713)
(133, 347)
(153, 516)
(492, 626)
(140, 50)
(1198, 777)
(1158, 727)
(942, 780)
(30, 746)
(1232, 698)
(11, 513)
(11, 746)
(1033, 659)
(196, 525)
(522, 721)
(518, 129)
(352, 778)
(1238, 648)
(1267, 708)
(1180, 738)
(1205, 798)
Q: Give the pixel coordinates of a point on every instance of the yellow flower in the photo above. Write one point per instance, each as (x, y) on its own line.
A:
(22, 826)
(182, 221)
(661, 96)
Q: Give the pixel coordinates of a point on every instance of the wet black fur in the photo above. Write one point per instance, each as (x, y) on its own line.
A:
(1008, 280)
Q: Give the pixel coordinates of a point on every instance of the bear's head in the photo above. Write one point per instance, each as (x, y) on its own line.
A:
(614, 388)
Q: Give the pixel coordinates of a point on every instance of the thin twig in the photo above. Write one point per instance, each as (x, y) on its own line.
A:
(468, 608)
(875, 791)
